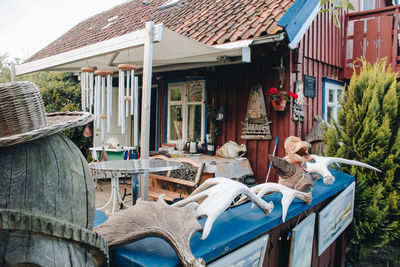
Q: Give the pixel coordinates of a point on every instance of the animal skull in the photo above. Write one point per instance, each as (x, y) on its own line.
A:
(320, 166)
(291, 169)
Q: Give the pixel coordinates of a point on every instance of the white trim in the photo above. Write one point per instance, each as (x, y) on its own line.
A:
(129, 40)
(233, 45)
(293, 44)
(185, 110)
(335, 105)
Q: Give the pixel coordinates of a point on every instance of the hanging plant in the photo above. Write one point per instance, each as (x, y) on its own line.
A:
(280, 99)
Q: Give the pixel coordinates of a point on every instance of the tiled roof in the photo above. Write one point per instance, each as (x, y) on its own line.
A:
(207, 21)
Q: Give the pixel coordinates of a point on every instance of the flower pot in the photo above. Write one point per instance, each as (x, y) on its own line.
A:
(279, 105)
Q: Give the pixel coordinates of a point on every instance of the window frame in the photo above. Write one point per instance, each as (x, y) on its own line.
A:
(337, 85)
(185, 109)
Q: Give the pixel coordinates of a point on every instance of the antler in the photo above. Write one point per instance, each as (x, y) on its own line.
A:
(147, 218)
(288, 195)
(218, 194)
(320, 166)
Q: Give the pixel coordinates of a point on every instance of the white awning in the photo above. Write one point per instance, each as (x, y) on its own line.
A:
(171, 51)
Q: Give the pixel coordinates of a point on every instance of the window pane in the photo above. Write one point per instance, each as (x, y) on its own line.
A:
(176, 94)
(329, 114)
(194, 122)
(331, 95)
(175, 122)
(195, 92)
(339, 96)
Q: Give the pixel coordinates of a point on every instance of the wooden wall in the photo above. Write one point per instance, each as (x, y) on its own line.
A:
(320, 54)
(228, 86)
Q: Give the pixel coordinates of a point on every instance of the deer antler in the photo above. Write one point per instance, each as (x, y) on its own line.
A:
(218, 194)
(147, 218)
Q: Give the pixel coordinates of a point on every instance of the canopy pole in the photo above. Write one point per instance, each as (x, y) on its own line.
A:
(146, 102)
(12, 69)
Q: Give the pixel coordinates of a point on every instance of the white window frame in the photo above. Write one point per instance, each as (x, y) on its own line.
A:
(367, 6)
(336, 86)
(185, 111)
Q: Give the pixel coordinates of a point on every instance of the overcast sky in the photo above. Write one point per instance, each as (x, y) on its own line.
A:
(26, 26)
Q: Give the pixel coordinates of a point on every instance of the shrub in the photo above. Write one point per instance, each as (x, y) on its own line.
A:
(368, 130)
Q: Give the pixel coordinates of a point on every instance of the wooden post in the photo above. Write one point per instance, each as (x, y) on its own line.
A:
(146, 102)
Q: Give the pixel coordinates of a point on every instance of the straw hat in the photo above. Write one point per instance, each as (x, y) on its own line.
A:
(23, 118)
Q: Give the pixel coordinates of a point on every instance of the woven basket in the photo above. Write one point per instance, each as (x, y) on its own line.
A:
(21, 108)
(23, 117)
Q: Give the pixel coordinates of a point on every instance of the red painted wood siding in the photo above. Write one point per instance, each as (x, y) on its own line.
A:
(229, 87)
(320, 53)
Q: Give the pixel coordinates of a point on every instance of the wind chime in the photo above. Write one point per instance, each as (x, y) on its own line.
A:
(128, 98)
(103, 100)
(87, 81)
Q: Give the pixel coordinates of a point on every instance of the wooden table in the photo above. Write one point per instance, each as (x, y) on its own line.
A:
(133, 168)
(222, 167)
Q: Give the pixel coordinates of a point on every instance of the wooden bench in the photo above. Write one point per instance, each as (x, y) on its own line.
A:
(178, 183)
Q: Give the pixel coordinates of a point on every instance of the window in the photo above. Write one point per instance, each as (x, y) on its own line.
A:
(186, 111)
(333, 92)
(368, 5)
(169, 3)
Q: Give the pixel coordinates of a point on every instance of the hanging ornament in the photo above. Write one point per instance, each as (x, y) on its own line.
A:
(103, 106)
(128, 97)
(87, 81)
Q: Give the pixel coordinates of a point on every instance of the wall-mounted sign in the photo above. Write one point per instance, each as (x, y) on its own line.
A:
(310, 86)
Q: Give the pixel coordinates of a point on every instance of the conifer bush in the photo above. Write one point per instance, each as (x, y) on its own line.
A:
(368, 130)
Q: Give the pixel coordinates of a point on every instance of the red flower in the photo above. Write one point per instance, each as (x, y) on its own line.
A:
(295, 96)
(290, 93)
(273, 90)
(282, 97)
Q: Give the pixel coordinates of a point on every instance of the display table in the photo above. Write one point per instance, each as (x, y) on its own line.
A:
(222, 167)
(133, 168)
(244, 223)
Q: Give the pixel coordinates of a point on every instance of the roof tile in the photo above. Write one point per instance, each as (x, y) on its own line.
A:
(206, 21)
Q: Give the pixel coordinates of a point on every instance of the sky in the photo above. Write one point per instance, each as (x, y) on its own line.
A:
(27, 26)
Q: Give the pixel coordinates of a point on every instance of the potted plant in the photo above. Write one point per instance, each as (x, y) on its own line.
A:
(279, 99)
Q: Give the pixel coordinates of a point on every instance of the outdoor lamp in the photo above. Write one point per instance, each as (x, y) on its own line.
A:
(221, 114)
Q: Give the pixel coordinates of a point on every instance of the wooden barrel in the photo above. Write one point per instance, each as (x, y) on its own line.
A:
(47, 206)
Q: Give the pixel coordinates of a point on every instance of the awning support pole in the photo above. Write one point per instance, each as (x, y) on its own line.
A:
(12, 69)
(146, 102)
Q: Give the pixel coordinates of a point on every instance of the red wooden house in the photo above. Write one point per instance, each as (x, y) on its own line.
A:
(221, 49)
(267, 41)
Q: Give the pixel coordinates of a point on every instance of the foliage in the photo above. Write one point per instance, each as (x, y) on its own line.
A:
(368, 131)
(5, 73)
(60, 92)
(333, 7)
